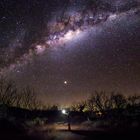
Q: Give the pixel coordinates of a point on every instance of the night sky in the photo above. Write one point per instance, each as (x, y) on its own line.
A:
(67, 49)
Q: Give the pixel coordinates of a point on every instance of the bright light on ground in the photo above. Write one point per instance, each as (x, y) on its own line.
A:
(63, 111)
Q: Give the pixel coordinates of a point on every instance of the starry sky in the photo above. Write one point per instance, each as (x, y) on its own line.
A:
(67, 49)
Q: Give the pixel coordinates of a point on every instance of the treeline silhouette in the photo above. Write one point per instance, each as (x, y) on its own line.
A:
(23, 104)
(99, 106)
(102, 102)
(11, 96)
(112, 109)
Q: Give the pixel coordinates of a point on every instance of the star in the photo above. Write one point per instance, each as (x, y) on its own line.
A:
(70, 48)
(65, 82)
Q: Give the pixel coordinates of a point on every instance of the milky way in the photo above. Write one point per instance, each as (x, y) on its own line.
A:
(45, 45)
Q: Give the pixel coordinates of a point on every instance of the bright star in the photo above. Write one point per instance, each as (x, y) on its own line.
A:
(65, 82)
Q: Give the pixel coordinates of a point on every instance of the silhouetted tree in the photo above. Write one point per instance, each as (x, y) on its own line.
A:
(29, 99)
(118, 101)
(8, 92)
(54, 108)
(133, 100)
(10, 96)
(99, 101)
(79, 106)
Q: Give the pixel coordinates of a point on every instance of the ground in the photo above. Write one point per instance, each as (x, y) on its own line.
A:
(59, 131)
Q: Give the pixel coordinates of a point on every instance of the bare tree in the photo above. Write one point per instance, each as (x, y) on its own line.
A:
(8, 92)
(118, 101)
(29, 99)
(9, 95)
(79, 106)
(99, 101)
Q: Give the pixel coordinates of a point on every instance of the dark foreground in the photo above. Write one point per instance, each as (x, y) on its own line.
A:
(45, 134)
